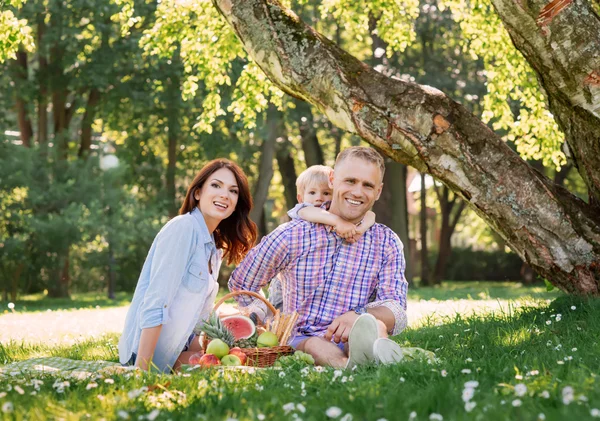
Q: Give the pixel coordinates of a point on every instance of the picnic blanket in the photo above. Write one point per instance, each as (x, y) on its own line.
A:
(58, 365)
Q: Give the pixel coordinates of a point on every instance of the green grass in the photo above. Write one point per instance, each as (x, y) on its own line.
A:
(471, 290)
(500, 351)
(40, 302)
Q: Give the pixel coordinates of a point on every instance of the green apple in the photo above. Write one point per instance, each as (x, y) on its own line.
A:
(267, 340)
(218, 348)
(231, 360)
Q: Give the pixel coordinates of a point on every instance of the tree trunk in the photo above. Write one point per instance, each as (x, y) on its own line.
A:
(15, 282)
(42, 132)
(21, 79)
(86, 123)
(62, 278)
(561, 41)
(425, 279)
(265, 169)
(449, 221)
(552, 230)
(285, 162)
(313, 154)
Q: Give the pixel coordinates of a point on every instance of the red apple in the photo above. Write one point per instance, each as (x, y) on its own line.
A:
(238, 353)
(195, 358)
(209, 360)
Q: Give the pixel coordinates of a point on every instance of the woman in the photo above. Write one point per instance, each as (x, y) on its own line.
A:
(178, 283)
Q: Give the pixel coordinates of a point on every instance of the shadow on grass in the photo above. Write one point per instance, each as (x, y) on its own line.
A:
(40, 302)
(481, 290)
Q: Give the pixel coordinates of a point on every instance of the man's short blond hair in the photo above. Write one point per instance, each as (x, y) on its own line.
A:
(364, 153)
(315, 174)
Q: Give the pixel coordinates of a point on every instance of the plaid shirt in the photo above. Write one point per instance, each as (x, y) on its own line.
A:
(323, 276)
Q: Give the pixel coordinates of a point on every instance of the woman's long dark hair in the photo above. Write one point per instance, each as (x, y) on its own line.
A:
(236, 234)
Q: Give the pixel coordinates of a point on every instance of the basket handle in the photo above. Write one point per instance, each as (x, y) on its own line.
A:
(250, 293)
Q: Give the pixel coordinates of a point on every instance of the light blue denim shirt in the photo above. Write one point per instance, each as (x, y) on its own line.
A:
(175, 289)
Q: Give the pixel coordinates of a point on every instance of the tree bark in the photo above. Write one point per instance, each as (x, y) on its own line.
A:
(561, 41)
(21, 77)
(313, 154)
(265, 169)
(551, 229)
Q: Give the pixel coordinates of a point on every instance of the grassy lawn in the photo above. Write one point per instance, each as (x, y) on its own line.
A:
(532, 362)
(40, 302)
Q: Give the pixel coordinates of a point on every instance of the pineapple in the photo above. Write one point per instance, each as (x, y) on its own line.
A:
(248, 342)
(214, 329)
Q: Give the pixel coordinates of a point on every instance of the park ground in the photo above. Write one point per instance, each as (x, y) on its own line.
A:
(504, 352)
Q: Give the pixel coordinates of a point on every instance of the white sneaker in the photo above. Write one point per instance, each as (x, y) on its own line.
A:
(387, 351)
(361, 341)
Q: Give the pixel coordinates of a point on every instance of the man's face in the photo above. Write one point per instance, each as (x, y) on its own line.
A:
(356, 186)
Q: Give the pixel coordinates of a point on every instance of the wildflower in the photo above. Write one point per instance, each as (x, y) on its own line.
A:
(336, 374)
(573, 308)
(574, 350)
(123, 414)
(444, 373)
(19, 390)
(301, 408)
(558, 317)
(289, 407)
(465, 371)
(468, 394)
(520, 389)
(436, 417)
(412, 416)
(304, 371)
(333, 412)
(568, 395)
(516, 402)
(595, 412)
(548, 322)
(260, 417)
(472, 384)
(469, 360)
(533, 373)
(519, 377)
(469, 406)
(545, 394)
(319, 369)
(109, 381)
(541, 416)
(7, 407)
(560, 362)
(152, 415)
(11, 306)
(402, 379)
(347, 417)
(91, 386)
(259, 387)
(282, 374)
(2, 395)
(132, 394)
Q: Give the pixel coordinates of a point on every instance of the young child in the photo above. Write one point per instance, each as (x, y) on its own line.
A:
(313, 192)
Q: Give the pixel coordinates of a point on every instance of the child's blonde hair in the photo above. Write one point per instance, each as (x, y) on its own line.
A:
(312, 175)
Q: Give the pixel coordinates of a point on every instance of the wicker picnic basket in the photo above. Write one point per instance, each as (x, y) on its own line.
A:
(282, 325)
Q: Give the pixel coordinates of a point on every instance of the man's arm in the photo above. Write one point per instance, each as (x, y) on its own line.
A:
(261, 264)
(392, 288)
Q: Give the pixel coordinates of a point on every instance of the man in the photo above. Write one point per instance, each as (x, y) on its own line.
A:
(329, 281)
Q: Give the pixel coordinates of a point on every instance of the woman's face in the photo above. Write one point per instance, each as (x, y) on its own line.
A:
(218, 197)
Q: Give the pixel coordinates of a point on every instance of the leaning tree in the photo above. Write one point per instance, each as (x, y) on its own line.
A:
(555, 232)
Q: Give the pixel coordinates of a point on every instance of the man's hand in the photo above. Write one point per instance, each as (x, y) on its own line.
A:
(339, 329)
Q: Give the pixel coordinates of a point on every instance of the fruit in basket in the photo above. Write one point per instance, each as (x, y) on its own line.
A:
(218, 348)
(246, 343)
(240, 354)
(214, 329)
(209, 360)
(195, 358)
(240, 326)
(231, 360)
(267, 340)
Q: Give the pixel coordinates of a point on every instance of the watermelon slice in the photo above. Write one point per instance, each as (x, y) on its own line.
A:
(240, 326)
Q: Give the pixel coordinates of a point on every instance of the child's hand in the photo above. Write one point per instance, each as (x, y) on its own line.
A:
(345, 229)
